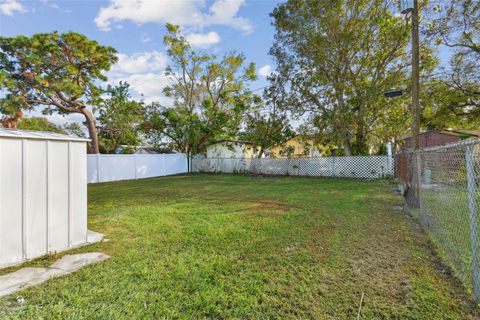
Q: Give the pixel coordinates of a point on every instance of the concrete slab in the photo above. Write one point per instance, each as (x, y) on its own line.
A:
(29, 277)
(94, 237)
(23, 278)
(73, 262)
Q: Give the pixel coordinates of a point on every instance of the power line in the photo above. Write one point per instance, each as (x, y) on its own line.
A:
(232, 36)
(259, 88)
(151, 79)
(236, 34)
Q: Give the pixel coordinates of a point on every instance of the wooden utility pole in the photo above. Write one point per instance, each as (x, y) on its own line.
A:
(412, 190)
(415, 77)
(415, 168)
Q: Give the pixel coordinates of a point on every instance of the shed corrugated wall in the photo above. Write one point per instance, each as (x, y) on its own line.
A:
(43, 195)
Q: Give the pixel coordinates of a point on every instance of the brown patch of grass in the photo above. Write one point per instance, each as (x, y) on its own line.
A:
(260, 212)
(271, 206)
(390, 257)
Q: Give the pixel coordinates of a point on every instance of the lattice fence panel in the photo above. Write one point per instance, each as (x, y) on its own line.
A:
(317, 167)
(367, 167)
(364, 167)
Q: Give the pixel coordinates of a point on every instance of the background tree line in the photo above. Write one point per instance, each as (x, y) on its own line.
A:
(334, 61)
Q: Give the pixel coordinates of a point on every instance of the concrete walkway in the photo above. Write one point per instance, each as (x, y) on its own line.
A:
(29, 277)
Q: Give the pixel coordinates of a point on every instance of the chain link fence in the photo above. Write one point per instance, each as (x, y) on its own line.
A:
(440, 186)
(362, 167)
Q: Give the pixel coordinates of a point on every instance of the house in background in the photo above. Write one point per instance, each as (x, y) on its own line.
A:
(297, 147)
(232, 149)
(147, 150)
(428, 139)
(433, 138)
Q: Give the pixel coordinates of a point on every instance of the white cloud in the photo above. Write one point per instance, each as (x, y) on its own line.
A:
(144, 11)
(8, 7)
(200, 40)
(50, 4)
(148, 84)
(265, 71)
(224, 12)
(140, 62)
(55, 6)
(145, 72)
(188, 13)
(145, 37)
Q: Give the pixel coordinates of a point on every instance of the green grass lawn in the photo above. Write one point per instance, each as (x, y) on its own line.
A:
(446, 216)
(226, 247)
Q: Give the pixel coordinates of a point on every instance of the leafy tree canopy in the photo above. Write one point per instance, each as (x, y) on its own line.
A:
(267, 124)
(455, 24)
(209, 97)
(39, 124)
(118, 119)
(338, 58)
(43, 124)
(59, 71)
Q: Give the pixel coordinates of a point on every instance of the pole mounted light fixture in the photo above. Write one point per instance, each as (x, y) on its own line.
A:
(393, 93)
(406, 6)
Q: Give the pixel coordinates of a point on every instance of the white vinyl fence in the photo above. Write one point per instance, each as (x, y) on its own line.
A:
(114, 167)
(364, 167)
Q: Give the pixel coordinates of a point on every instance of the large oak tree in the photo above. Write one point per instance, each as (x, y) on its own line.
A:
(339, 57)
(455, 25)
(58, 71)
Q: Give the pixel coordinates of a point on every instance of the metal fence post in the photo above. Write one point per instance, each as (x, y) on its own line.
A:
(419, 182)
(389, 158)
(472, 208)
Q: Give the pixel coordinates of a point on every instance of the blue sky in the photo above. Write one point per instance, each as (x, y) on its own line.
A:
(136, 29)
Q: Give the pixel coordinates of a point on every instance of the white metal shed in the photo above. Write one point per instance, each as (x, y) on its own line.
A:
(43, 194)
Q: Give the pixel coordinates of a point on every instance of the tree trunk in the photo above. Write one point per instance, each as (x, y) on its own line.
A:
(346, 146)
(360, 134)
(92, 131)
(260, 153)
(11, 122)
(343, 128)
